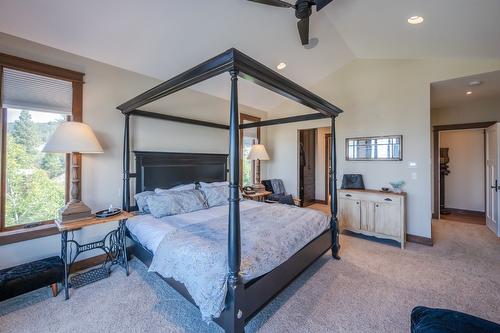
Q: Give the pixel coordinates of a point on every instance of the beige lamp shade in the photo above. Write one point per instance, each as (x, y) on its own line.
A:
(73, 137)
(258, 152)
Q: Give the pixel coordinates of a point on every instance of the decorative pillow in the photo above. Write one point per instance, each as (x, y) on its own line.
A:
(184, 187)
(140, 199)
(216, 195)
(214, 184)
(175, 202)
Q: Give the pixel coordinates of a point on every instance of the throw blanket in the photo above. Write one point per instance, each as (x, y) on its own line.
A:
(196, 254)
(278, 187)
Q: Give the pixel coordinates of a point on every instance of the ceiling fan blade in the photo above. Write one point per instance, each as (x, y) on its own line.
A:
(275, 3)
(321, 3)
(303, 26)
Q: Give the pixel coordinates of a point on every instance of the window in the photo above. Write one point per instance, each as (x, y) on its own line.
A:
(248, 138)
(36, 98)
(35, 181)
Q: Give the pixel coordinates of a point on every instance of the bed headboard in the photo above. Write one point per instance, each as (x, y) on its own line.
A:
(165, 170)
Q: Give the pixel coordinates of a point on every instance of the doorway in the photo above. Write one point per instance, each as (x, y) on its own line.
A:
(492, 178)
(328, 167)
(462, 176)
(307, 166)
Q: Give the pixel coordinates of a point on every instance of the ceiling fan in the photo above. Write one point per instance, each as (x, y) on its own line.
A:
(302, 12)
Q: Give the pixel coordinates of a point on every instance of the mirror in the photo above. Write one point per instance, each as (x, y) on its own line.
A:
(377, 148)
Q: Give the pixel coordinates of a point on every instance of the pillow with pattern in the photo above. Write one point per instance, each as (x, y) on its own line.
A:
(183, 187)
(140, 199)
(175, 202)
(216, 195)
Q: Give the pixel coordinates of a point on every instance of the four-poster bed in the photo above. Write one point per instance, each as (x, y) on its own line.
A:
(155, 169)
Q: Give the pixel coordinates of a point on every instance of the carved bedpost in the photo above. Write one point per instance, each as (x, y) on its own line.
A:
(334, 222)
(126, 166)
(235, 318)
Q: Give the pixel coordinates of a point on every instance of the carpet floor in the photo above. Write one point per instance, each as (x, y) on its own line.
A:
(372, 289)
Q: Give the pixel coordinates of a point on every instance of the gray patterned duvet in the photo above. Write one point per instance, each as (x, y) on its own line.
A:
(196, 254)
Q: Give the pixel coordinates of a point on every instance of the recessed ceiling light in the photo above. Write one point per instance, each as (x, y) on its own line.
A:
(281, 65)
(468, 92)
(415, 20)
(474, 83)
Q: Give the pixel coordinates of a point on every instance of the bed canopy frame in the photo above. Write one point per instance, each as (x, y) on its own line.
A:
(242, 300)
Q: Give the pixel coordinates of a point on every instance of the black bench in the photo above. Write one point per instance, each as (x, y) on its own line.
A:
(428, 320)
(27, 277)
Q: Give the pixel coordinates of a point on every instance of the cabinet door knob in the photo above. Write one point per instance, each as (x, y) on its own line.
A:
(376, 205)
(388, 199)
(348, 195)
(357, 202)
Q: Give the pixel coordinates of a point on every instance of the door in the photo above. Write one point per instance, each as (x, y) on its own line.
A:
(492, 177)
(307, 174)
(350, 213)
(368, 215)
(388, 219)
(328, 167)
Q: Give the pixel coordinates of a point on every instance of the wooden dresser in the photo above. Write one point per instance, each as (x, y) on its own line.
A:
(374, 213)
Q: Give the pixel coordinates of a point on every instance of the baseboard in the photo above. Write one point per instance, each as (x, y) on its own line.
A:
(90, 262)
(465, 211)
(322, 202)
(87, 263)
(419, 240)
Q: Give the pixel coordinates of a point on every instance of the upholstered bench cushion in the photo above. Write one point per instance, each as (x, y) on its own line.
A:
(427, 320)
(27, 277)
(286, 199)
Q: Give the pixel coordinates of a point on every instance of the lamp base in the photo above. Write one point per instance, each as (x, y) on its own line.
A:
(74, 211)
(258, 188)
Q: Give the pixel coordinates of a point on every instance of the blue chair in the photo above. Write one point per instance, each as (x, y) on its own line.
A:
(429, 320)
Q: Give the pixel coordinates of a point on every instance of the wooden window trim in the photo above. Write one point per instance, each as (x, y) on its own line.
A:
(247, 117)
(44, 228)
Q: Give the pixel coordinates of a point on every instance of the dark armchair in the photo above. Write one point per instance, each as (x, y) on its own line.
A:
(279, 193)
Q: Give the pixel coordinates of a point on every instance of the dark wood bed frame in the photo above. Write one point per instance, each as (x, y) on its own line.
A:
(159, 169)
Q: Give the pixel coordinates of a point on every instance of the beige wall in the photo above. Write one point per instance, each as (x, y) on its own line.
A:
(465, 185)
(106, 87)
(471, 112)
(379, 97)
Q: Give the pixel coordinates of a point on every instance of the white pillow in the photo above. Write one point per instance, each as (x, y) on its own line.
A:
(214, 184)
(184, 187)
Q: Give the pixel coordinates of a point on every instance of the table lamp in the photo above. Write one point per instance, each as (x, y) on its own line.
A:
(73, 137)
(258, 153)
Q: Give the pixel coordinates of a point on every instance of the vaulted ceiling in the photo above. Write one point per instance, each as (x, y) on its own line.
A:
(161, 38)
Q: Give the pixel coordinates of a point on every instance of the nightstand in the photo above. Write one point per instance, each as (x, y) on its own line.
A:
(259, 196)
(113, 245)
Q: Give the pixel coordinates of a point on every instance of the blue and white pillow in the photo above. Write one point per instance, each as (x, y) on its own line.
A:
(140, 199)
(216, 195)
(175, 202)
(184, 187)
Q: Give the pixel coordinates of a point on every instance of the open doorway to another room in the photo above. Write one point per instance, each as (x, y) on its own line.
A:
(465, 116)
(462, 177)
(314, 166)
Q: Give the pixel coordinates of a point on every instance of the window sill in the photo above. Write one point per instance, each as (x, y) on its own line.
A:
(20, 235)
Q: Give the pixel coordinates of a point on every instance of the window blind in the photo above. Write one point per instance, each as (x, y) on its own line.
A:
(27, 91)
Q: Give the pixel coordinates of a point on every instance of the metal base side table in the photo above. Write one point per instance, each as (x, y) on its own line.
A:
(113, 245)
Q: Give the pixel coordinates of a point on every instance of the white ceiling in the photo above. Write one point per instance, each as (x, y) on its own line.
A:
(453, 92)
(451, 28)
(162, 38)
